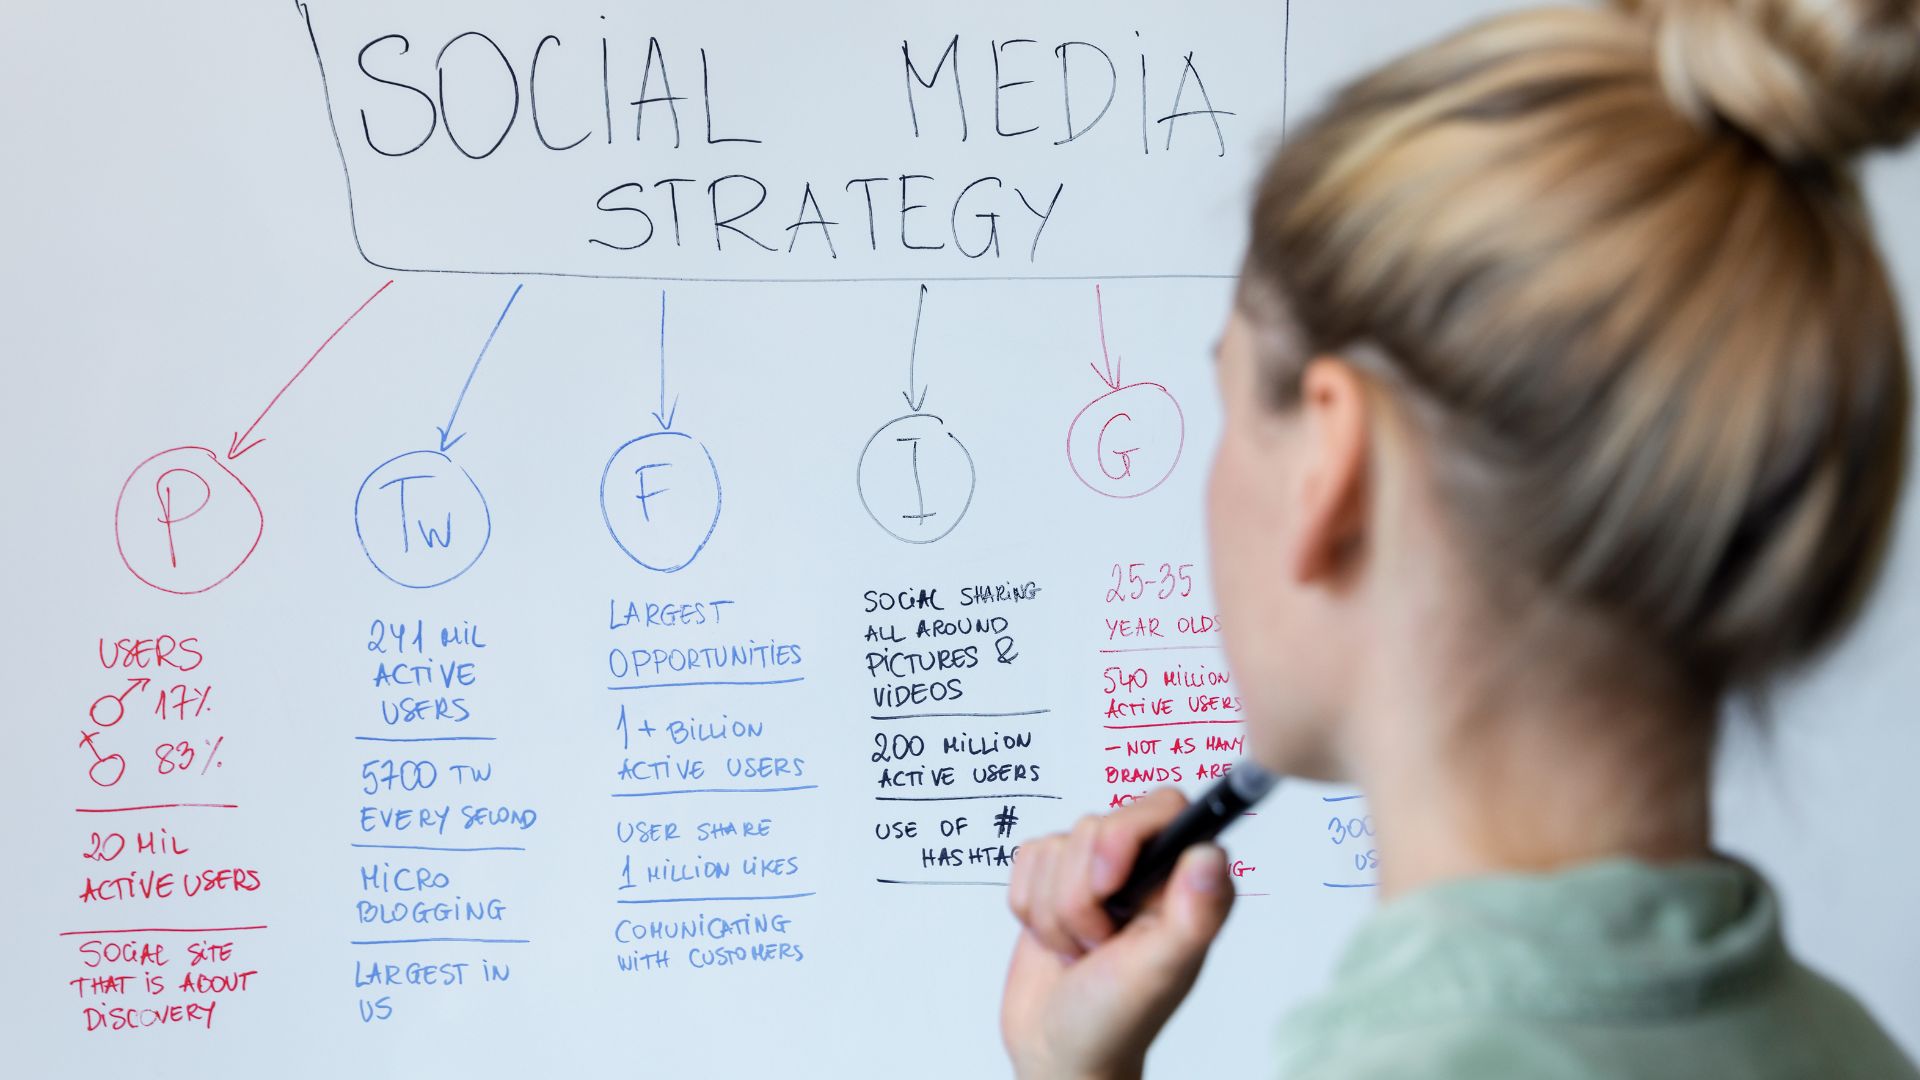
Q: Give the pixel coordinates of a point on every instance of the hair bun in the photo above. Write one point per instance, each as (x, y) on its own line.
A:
(1814, 81)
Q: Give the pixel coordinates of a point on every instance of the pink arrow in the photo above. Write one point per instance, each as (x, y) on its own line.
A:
(239, 445)
(1111, 376)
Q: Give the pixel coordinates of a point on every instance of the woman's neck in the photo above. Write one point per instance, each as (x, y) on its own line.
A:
(1529, 776)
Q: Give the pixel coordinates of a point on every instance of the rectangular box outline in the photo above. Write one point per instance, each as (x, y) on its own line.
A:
(353, 222)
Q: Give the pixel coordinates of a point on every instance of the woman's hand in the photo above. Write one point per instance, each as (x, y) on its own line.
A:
(1083, 1002)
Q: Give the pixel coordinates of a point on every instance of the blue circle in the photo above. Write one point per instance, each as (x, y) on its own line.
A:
(607, 516)
(441, 461)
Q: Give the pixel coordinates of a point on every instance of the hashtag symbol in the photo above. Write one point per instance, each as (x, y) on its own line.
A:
(1005, 820)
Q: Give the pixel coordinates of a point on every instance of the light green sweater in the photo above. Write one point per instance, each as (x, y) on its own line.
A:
(1614, 969)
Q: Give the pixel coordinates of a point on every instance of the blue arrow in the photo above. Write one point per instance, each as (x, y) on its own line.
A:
(666, 420)
(446, 442)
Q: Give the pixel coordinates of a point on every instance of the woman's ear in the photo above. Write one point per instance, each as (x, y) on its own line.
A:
(1330, 498)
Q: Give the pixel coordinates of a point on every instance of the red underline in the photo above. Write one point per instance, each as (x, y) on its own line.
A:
(164, 930)
(1167, 723)
(154, 806)
(1160, 648)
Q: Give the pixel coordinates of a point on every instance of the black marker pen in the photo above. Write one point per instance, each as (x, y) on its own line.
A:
(1221, 805)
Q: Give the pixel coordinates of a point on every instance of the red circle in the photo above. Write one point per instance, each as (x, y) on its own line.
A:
(1177, 450)
(215, 458)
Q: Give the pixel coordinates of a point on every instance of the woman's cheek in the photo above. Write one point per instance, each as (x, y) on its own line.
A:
(1216, 506)
(1230, 518)
(1233, 513)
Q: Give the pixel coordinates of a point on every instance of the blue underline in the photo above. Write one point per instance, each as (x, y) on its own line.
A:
(426, 940)
(711, 790)
(432, 847)
(708, 682)
(713, 899)
(426, 738)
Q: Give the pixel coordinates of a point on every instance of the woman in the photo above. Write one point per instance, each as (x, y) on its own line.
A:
(1565, 397)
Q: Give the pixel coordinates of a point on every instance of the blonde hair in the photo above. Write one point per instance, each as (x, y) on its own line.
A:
(1620, 257)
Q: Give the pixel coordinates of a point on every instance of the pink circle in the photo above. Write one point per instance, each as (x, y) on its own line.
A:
(213, 458)
(1179, 444)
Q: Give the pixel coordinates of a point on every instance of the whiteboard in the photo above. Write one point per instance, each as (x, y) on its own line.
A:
(488, 609)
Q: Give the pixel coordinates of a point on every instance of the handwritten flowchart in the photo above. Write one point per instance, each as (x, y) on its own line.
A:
(664, 594)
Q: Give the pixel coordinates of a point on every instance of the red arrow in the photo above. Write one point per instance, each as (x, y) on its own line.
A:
(240, 445)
